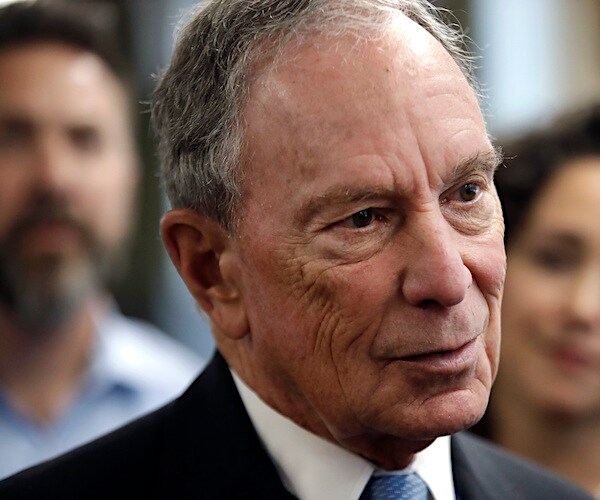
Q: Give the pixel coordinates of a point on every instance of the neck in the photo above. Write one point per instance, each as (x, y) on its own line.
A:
(385, 451)
(40, 373)
(568, 445)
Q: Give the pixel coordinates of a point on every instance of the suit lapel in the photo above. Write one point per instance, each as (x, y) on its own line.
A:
(211, 449)
(476, 474)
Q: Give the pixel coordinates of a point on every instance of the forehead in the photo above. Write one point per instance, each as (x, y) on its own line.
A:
(396, 100)
(571, 195)
(565, 211)
(53, 80)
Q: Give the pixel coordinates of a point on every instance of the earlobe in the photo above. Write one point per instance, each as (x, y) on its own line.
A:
(203, 255)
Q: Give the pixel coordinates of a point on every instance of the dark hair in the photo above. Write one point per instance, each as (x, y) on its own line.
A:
(77, 25)
(536, 157)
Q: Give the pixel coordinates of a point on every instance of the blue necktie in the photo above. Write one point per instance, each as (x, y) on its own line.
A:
(396, 487)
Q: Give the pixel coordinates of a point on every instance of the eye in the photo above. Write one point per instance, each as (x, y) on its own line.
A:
(466, 193)
(469, 192)
(555, 260)
(85, 138)
(362, 218)
(15, 133)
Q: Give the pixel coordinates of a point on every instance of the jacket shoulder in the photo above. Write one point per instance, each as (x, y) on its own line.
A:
(484, 471)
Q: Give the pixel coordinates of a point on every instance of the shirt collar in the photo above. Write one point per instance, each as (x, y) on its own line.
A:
(313, 468)
(109, 367)
(434, 465)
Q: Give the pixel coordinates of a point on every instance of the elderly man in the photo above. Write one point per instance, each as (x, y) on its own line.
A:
(71, 366)
(336, 218)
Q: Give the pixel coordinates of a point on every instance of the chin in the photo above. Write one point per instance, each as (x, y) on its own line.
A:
(570, 407)
(449, 414)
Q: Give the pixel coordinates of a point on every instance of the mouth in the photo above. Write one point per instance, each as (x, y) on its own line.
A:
(574, 360)
(447, 361)
(49, 237)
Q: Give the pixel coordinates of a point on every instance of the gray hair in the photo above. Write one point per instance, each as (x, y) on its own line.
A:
(197, 106)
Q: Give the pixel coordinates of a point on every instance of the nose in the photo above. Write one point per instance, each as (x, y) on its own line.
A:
(585, 297)
(435, 273)
(53, 166)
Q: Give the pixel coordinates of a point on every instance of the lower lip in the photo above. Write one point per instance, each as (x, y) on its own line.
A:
(447, 362)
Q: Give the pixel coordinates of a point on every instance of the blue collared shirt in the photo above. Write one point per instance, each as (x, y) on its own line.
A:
(135, 368)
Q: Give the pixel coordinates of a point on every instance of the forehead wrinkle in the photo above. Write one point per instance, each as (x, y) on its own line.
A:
(485, 162)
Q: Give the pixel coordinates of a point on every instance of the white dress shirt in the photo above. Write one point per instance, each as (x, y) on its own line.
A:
(313, 468)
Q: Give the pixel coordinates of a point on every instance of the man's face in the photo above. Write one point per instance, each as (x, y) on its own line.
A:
(67, 176)
(370, 248)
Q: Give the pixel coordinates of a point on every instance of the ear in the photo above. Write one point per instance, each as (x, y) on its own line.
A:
(205, 258)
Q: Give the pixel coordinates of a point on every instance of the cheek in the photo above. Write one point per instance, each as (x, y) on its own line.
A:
(108, 203)
(487, 264)
(353, 301)
(518, 305)
(528, 322)
(8, 213)
(493, 271)
(14, 196)
(335, 307)
(286, 305)
(531, 300)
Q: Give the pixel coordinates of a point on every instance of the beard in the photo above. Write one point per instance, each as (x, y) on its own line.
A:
(44, 290)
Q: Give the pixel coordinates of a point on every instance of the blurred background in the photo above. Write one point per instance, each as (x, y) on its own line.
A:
(537, 58)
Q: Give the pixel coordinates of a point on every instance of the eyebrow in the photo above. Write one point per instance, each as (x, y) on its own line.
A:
(342, 196)
(11, 119)
(558, 236)
(486, 162)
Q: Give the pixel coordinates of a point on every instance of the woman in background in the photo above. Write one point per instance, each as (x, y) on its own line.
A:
(546, 401)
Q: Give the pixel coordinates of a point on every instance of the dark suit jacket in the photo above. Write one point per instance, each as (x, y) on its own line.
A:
(203, 445)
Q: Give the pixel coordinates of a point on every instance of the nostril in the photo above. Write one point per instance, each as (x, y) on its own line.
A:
(429, 304)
